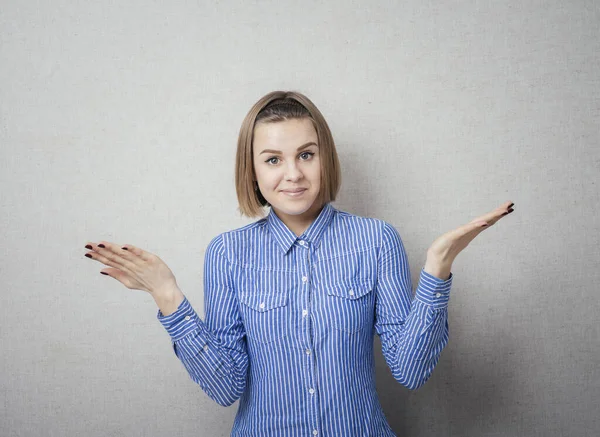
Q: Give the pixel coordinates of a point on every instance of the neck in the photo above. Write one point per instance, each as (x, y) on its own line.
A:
(300, 223)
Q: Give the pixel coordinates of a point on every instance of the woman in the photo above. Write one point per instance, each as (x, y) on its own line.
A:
(293, 300)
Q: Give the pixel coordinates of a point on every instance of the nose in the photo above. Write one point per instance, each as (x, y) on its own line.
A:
(292, 172)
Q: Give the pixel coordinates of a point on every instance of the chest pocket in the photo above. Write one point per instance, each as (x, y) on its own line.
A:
(265, 312)
(350, 305)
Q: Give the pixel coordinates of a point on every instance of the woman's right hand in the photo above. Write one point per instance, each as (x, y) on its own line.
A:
(135, 268)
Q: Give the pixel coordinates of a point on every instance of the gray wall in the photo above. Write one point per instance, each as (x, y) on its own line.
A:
(119, 123)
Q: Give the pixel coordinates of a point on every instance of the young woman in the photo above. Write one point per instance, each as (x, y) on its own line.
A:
(293, 300)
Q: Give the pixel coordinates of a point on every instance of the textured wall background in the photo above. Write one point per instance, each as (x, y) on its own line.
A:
(119, 122)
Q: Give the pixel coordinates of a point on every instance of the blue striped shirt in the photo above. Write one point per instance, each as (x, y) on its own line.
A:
(290, 324)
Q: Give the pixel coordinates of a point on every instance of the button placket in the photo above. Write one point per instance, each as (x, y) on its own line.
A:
(306, 267)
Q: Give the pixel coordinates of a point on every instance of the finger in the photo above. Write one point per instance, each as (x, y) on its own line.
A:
(108, 255)
(493, 216)
(97, 257)
(120, 276)
(473, 227)
(130, 248)
(492, 221)
(122, 255)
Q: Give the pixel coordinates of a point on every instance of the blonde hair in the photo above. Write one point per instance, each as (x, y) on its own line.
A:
(272, 108)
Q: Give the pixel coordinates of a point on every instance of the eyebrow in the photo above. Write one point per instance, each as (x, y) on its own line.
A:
(303, 146)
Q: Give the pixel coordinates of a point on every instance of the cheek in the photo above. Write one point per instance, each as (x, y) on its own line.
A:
(315, 172)
(268, 179)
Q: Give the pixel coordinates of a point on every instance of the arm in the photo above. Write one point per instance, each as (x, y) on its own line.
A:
(212, 351)
(413, 331)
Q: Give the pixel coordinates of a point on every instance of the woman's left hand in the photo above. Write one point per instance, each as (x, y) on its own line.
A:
(445, 248)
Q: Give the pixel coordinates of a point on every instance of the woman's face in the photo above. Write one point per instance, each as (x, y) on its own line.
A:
(286, 157)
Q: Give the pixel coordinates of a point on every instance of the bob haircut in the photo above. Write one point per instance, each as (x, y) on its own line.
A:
(272, 108)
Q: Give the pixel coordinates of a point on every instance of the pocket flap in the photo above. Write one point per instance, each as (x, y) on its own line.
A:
(262, 301)
(351, 289)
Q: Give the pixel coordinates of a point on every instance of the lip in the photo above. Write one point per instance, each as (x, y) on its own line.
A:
(294, 193)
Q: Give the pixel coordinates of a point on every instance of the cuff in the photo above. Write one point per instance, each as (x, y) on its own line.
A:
(182, 322)
(433, 290)
(190, 336)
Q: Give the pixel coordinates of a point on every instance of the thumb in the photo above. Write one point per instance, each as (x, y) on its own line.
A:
(118, 275)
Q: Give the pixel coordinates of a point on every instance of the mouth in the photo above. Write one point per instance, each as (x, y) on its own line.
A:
(294, 193)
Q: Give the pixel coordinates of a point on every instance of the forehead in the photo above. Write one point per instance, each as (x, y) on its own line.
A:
(284, 134)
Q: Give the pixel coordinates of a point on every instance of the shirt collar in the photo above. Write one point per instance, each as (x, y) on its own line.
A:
(286, 238)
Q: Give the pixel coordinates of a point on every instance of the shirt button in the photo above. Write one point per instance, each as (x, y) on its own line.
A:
(304, 312)
(304, 279)
(205, 347)
(187, 317)
(351, 292)
(315, 432)
(262, 305)
(311, 391)
(307, 351)
(438, 294)
(301, 242)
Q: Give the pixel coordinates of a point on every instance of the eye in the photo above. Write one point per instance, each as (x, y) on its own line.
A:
(310, 154)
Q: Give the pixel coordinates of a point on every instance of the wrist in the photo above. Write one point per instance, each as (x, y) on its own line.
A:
(168, 299)
(437, 268)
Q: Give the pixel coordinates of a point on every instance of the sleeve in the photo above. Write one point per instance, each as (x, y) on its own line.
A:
(214, 351)
(413, 331)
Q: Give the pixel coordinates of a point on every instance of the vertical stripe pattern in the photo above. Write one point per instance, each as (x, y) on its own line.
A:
(290, 322)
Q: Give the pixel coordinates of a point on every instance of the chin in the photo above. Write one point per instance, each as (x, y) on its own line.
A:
(292, 206)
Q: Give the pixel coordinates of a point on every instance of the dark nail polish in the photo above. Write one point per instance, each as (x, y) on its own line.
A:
(124, 248)
(511, 205)
(104, 273)
(101, 245)
(88, 246)
(88, 255)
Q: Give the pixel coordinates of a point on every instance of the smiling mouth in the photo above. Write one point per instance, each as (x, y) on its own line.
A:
(294, 193)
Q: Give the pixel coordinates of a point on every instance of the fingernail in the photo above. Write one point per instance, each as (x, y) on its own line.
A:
(124, 248)
(104, 273)
(88, 246)
(88, 255)
(101, 245)
(512, 204)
